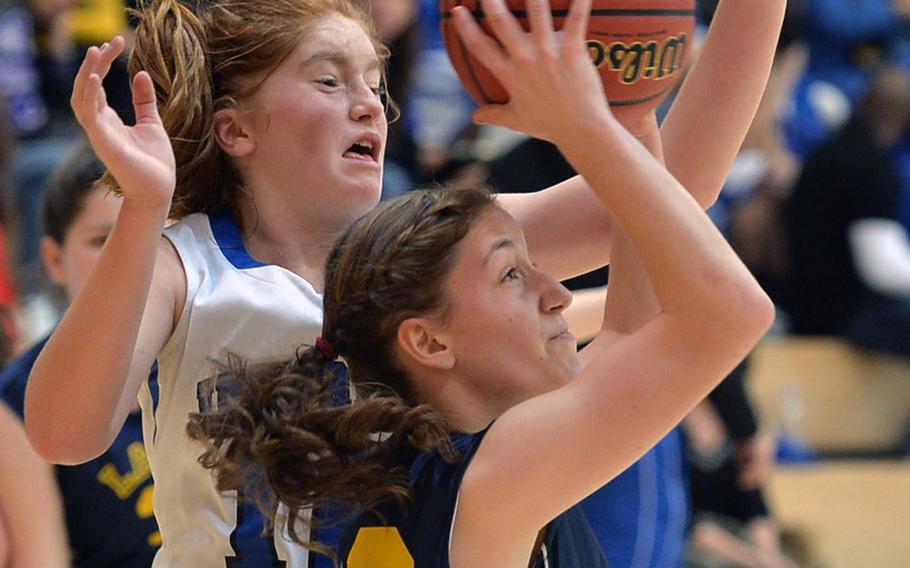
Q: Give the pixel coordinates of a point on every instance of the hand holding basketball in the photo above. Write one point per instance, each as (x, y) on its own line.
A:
(639, 48)
(547, 74)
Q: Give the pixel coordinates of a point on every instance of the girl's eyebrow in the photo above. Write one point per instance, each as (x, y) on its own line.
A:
(499, 245)
(339, 58)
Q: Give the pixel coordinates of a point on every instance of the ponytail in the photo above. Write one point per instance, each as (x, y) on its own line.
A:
(285, 438)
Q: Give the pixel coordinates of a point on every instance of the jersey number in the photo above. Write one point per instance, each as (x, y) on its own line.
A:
(251, 547)
(379, 547)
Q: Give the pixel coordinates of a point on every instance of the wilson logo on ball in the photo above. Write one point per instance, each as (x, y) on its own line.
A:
(639, 46)
(635, 61)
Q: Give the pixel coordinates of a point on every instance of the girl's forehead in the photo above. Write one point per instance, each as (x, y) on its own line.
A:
(488, 232)
(338, 34)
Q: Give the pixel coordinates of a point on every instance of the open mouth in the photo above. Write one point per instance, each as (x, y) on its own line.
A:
(363, 150)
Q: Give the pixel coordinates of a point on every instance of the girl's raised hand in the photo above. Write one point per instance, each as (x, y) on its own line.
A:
(139, 157)
(548, 74)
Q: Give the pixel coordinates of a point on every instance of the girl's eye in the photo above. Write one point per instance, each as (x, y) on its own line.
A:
(97, 242)
(328, 81)
(380, 90)
(512, 274)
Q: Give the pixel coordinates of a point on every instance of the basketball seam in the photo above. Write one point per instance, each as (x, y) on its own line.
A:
(633, 102)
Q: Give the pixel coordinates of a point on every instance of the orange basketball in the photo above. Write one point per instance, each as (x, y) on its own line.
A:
(639, 47)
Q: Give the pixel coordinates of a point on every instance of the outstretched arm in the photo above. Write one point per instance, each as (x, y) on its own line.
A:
(700, 139)
(720, 96)
(88, 376)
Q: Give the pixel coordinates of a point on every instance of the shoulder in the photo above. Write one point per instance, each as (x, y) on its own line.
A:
(208, 242)
(189, 232)
(432, 470)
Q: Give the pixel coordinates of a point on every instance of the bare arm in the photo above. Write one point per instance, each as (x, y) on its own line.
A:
(715, 107)
(86, 380)
(30, 502)
(711, 311)
(700, 136)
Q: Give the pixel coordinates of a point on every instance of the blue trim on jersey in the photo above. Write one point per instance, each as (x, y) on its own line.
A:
(648, 531)
(252, 548)
(677, 501)
(230, 241)
(155, 393)
(340, 389)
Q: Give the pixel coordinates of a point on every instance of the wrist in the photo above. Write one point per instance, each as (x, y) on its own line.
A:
(587, 126)
(153, 210)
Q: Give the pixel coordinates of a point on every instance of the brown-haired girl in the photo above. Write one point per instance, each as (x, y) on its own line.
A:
(476, 425)
(272, 130)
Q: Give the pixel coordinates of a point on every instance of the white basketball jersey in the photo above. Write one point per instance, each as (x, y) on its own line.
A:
(234, 305)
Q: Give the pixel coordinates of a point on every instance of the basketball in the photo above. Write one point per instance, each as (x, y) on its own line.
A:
(638, 46)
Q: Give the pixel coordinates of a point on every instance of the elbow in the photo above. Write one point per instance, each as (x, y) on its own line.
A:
(708, 199)
(751, 312)
(58, 444)
(739, 310)
(762, 311)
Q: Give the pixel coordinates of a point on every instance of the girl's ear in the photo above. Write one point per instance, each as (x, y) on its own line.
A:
(233, 132)
(419, 340)
(52, 257)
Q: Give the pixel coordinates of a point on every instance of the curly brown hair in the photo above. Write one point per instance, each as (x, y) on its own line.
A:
(284, 437)
(210, 56)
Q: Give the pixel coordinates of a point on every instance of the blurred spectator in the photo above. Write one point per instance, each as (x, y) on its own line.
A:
(96, 21)
(397, 25)
(730, 461)
(846, 41)
(93, 22)
(106, 502)
(749, 210)
(850, 257)
(41, 45)
(431, 136)
(38, 61)
(9, 312)
(731, 525)
(440, 106)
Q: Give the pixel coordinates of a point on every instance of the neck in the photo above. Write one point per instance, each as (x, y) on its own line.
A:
(274, 233)
(464, 408)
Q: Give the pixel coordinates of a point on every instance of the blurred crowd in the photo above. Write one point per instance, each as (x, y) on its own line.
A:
(817, 205)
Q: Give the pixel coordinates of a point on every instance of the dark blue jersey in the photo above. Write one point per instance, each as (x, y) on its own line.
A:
(417, 534)
(107, 501)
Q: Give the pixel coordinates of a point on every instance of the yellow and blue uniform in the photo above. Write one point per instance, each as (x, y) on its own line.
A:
(107, 501)
(418, 535)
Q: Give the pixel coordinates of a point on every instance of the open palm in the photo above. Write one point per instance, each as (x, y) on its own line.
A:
(140, 157)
